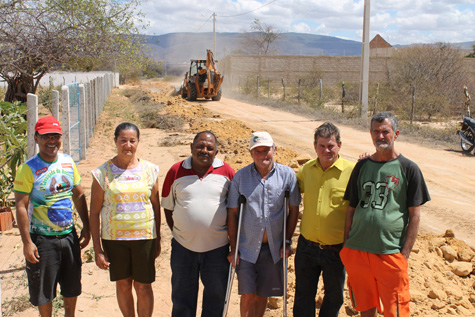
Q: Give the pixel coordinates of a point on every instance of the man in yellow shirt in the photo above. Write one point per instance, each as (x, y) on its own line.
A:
(323, 182)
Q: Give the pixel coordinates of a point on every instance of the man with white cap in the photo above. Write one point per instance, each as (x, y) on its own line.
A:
(259, 264)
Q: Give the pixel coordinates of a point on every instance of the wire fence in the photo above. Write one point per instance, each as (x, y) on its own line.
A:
(81, 106)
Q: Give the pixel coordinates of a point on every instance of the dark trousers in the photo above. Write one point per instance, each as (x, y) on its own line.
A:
(310, 262)
(187, 267)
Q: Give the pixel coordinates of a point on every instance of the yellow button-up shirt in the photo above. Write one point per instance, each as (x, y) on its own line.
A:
(323, 218)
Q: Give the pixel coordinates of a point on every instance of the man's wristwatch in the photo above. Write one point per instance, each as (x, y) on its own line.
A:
(289, 242)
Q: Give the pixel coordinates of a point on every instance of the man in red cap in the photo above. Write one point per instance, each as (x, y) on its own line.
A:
(46, 186)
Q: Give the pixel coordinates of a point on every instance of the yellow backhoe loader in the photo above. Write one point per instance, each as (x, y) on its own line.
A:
(203, 80)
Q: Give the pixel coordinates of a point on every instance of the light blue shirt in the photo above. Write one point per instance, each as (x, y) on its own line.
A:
(264, 207)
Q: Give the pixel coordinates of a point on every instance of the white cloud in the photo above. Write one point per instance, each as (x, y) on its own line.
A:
(399, 22)
(301, 28)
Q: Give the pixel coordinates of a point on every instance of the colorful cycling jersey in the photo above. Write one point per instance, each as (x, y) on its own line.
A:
(127, 213)
(49, 185)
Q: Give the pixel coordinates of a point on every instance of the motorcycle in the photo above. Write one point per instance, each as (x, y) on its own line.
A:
(467, 134)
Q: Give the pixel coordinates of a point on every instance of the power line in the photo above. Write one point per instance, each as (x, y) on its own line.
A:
(207, 22)
(231, 16)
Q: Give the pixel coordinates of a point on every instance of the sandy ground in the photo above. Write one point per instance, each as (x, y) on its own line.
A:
(439, 284)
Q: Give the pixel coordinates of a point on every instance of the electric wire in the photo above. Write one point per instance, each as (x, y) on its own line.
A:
(235, 15)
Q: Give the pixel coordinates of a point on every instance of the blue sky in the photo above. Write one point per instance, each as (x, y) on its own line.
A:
(399, 21)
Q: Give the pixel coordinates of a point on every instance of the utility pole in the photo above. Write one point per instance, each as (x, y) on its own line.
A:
(365, 62)
(214, 32)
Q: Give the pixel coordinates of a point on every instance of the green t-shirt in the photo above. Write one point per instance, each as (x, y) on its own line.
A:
(382, 193)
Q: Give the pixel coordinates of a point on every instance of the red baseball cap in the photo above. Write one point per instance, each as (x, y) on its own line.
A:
(48, 125)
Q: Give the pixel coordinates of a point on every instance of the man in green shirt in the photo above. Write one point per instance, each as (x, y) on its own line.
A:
(323, 181)
(385, 193)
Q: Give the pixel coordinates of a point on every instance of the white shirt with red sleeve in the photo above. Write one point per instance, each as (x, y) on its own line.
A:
(198, 204)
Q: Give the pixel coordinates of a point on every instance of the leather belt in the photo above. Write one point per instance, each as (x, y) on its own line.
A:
(333, 247)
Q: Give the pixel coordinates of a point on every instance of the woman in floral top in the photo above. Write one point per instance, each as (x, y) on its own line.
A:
(125, 221)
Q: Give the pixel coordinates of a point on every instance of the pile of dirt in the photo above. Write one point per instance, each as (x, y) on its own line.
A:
(188, 111)
(167, 97)
(441, 276)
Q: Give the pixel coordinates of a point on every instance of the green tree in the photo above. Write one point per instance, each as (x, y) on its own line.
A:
(40, 36)
(13, 141)
(261, 39)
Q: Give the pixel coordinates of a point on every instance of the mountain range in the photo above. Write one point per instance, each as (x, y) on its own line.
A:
(179, 48)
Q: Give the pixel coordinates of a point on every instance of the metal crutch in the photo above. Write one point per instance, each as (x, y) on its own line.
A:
(284, 258)
(232, 269)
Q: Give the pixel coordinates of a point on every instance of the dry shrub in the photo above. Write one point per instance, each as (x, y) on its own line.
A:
(137, 95)
(155, 120)
(436, 72)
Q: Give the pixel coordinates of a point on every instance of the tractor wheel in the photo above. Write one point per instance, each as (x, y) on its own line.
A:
(183, 92)
(218, 95)
(193, 93)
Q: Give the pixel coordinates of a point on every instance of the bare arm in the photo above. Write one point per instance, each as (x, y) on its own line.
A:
(232, 234)
(350, 211)
(155, 200)
(97, 199)
(169, 218)
(292, 220)
(79, 199)
(29, 248)
(412, 229)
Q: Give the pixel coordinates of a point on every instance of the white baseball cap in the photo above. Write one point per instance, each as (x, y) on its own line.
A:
(260, 139)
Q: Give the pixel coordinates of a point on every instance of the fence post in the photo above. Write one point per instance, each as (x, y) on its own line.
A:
(413, 103)
(82, 119)
(65, 112)
(55, 103)
(283, 85)
(257, 88)
(298, 98)
(32, 117)
(103, 93)
(96, 99)
(321, 89)
(268, 88)
(343, 94)
(376, 99)
(87, 88)
(91, 106)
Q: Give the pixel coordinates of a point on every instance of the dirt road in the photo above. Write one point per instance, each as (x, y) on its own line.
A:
(449, 174)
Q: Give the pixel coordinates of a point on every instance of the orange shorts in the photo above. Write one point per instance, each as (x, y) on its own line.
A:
(376, 278)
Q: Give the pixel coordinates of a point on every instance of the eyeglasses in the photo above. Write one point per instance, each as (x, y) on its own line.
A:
(50, 137)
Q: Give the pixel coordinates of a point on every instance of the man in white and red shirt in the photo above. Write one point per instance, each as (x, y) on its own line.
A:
(194, 198)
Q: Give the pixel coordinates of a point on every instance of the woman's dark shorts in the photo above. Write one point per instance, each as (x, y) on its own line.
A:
(134, 259)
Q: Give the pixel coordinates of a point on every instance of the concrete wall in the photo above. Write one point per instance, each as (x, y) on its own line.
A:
(63, 78)
(334, 69)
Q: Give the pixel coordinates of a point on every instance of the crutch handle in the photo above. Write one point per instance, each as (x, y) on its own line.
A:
(242, 199)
